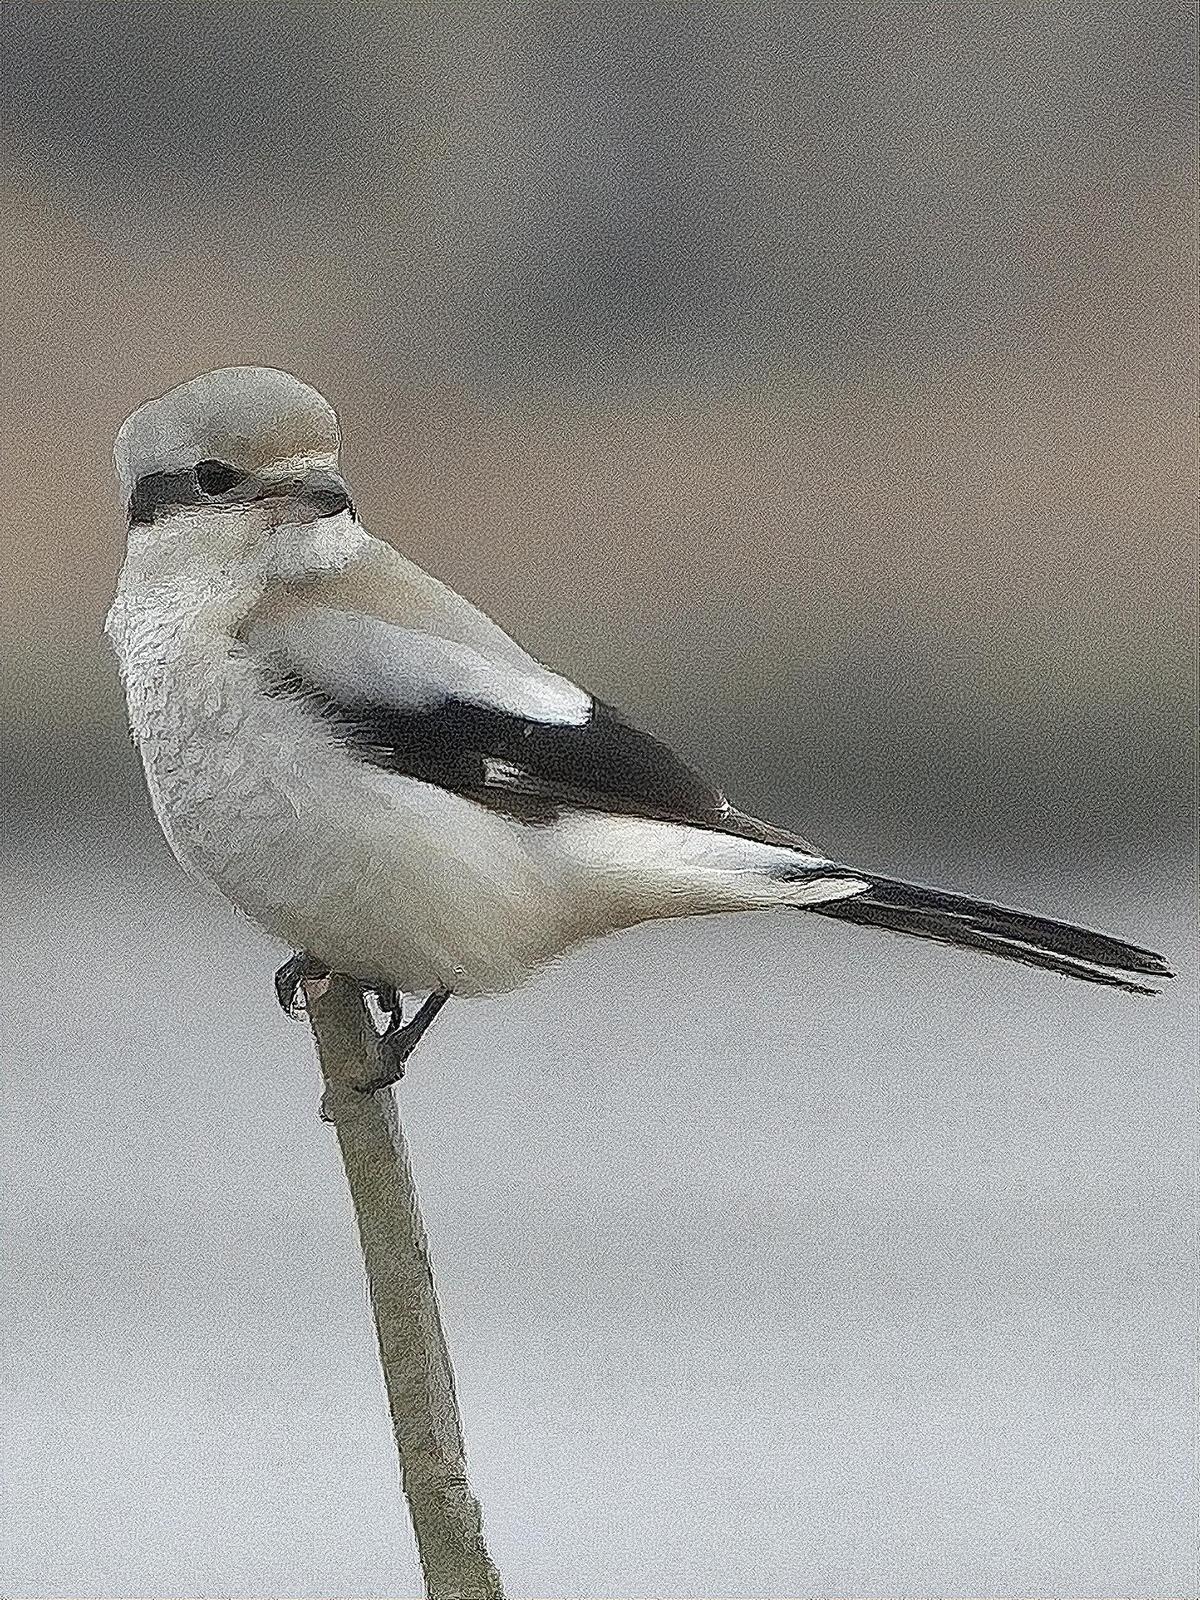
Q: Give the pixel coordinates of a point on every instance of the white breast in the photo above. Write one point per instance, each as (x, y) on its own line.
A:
(224, 762)
(378, 874)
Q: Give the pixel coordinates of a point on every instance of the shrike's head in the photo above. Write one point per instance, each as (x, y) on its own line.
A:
(241, 466)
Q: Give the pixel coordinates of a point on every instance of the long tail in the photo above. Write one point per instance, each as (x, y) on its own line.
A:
(957, 919)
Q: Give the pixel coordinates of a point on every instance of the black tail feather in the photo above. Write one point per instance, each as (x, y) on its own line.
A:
(1012, 935)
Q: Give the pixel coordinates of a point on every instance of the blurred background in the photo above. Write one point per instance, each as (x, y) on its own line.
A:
(816, 382)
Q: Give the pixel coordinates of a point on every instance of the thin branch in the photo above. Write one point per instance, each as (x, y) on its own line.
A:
(408, 1326)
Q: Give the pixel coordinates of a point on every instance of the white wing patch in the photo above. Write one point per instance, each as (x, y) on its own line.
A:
(504, 774)
(358, 657)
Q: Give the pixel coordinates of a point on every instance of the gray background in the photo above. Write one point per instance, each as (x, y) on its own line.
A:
(816, 383)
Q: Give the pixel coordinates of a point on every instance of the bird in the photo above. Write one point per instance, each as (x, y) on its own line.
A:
(377, 774)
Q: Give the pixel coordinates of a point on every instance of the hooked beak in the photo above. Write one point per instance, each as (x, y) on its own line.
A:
(291, 500)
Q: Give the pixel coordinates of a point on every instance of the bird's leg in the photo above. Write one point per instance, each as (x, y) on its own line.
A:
(401, 1039)
(292, 974)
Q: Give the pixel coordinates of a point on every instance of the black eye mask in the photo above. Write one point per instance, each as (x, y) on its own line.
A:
(163, 491)
(220, 483)
(218, 477)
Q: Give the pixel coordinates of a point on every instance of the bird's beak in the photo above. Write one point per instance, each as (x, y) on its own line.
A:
(293, 500)
(319, 493)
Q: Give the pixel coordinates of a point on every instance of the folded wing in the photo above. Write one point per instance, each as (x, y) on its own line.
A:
(507, 733)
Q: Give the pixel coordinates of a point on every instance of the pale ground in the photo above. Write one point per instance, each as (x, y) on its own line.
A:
(776, 1259)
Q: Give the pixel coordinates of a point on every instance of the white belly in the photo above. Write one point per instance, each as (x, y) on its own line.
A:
(379, 875)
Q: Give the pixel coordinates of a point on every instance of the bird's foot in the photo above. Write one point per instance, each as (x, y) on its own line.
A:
(383, 1002)
(298, 969)
(401, 1038)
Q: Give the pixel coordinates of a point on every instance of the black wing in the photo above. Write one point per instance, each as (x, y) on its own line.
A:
(532, 769)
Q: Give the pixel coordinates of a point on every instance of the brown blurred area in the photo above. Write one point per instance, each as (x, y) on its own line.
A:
(816, 383)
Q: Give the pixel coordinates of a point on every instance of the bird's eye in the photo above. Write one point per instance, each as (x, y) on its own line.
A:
(216, 477)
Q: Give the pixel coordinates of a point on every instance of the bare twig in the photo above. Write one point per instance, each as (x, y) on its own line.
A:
(408, 1326)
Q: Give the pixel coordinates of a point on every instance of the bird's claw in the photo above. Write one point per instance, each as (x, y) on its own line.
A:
(394, 1051)
(297, 970)
(400, 1039)
(389, 999)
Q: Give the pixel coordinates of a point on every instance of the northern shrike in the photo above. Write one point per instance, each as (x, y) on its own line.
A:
(373, 771)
